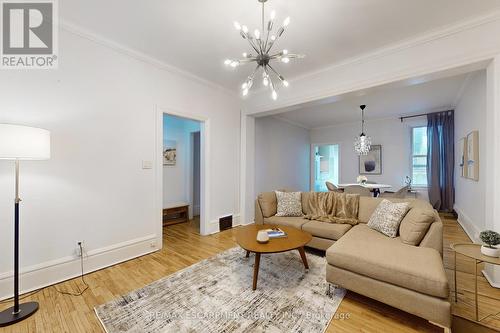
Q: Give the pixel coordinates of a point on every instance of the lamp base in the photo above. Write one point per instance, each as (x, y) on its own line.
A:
(7, 317)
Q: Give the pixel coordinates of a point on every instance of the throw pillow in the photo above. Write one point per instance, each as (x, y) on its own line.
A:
(289, 204)
(415, 224)
(387, 217)
(267, 202)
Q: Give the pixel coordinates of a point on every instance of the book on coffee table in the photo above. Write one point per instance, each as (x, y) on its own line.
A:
(276, 233)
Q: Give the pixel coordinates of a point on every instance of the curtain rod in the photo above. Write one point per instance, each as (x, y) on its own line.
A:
(422, 114)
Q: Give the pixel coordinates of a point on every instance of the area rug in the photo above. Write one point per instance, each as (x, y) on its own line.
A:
(215, 295)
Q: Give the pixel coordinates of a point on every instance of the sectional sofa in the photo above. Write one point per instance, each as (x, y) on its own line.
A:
(405, 272)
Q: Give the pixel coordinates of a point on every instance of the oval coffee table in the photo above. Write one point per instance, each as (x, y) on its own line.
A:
(246, 237)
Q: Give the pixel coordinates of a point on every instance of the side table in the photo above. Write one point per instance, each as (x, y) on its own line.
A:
(472, 251)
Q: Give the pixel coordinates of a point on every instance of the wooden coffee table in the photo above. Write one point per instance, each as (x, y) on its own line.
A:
(246, 237)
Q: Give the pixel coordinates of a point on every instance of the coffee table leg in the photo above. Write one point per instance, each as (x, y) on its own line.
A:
(303, 256)
(248, 254)
(256, 270)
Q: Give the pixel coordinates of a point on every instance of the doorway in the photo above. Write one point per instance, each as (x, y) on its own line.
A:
(325, 164)
(182, 166)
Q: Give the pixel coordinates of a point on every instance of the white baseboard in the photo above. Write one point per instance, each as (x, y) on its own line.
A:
(58, 270)
(473, 232)
(469, 227)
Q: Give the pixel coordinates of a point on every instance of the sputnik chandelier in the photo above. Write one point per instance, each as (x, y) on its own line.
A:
(262, 42)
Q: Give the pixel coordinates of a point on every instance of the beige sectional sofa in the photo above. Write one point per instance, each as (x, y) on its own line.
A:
(405, 272)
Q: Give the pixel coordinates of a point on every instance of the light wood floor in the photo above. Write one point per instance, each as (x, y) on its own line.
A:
(183, 246)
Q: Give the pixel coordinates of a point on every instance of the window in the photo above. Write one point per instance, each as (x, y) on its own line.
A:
(419, 156)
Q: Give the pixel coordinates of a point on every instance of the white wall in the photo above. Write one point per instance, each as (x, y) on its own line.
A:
(100, 106)
(394, 136)
(470, 195)
(178, 178)
(282, 155)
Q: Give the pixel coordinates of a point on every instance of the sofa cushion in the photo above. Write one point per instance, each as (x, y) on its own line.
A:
(367, 206)
(326, 230)
(268, 203)
(387, 217)
(415, 224)
(289, 203)
(367, 252)
(288, 221)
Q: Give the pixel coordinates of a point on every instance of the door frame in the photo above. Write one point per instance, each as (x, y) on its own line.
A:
(311, 162)
(204, 166)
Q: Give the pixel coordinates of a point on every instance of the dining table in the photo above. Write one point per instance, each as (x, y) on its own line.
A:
(375, 188)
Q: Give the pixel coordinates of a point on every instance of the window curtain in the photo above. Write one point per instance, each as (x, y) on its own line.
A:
(441, 159)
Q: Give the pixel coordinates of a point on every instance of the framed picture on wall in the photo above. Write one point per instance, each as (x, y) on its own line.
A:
(170, 152)
(473, 155)
(371, 163)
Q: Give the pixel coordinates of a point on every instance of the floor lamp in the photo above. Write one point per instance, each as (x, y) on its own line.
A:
(21, 143)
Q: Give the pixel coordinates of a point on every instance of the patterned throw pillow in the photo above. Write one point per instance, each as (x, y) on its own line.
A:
(289, 204)
(387, 217)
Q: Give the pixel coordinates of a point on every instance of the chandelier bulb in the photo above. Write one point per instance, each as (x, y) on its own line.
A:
(265, 81)
(285, 52)
(286, 22)
(257, 34)
(237, 25)
(285, 60)
(285, 83)
(245, 92)
(244, 28)
(227, 62)
(274, 95)
(273, 38)
(273, 15)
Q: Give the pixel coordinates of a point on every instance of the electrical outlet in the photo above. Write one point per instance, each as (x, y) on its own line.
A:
(79, 248)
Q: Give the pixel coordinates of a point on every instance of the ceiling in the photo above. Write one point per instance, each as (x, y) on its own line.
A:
(197, 35)
(385, 102)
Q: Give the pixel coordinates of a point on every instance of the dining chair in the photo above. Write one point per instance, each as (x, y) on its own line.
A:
(358, 189)
(401, 193)
(331, 187)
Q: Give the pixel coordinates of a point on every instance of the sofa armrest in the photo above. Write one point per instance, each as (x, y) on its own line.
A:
(434, 236)
(259, 217)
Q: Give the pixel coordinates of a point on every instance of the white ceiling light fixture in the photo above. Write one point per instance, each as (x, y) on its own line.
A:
(262, 42)
(363, 143)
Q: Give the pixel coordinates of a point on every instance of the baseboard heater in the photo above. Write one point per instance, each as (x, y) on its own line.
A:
(226, 222)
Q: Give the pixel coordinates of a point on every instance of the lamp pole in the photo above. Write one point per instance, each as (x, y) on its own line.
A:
(18, 312)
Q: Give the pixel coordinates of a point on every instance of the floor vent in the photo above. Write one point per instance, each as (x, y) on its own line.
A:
(226, 222)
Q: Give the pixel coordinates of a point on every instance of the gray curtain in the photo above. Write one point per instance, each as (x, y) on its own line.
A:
(441, 159)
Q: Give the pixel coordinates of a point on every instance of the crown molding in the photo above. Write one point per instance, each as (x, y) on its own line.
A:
(425, 38)
(291, 122)
(132, 53)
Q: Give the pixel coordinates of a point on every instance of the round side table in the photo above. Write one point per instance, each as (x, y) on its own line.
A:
(472, 251)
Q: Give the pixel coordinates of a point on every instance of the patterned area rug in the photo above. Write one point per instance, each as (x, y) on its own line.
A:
(215, 295)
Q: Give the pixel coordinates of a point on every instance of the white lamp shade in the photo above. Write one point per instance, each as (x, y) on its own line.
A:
(24, 143)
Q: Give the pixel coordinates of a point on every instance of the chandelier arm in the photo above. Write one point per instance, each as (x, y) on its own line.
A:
(254, 71)
(269, 77)
(250, 41)
(271, 44)
(275, 72)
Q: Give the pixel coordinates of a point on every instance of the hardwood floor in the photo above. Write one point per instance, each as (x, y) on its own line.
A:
(183, 246)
